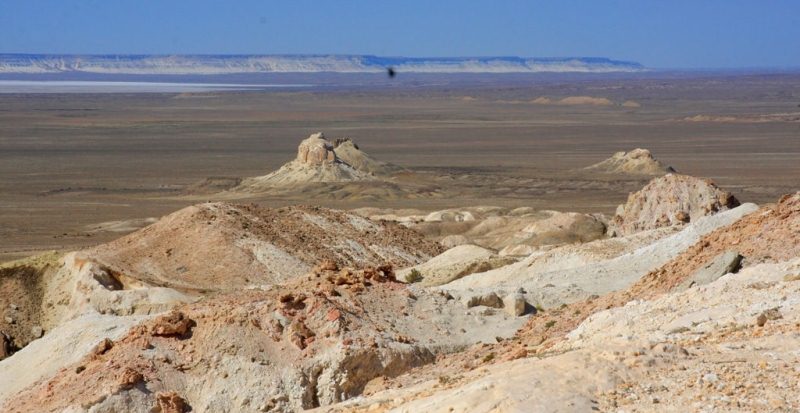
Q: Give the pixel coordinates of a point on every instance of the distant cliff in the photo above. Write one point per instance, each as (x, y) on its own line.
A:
(228, 64)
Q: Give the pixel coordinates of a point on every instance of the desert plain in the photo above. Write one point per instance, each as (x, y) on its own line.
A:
(72, 161)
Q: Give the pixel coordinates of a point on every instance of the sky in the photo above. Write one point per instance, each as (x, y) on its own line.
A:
(656, 33)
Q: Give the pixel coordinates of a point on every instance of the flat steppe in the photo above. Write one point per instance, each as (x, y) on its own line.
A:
(69, 162)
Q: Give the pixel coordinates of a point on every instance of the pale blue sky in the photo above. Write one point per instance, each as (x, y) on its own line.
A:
(660, 34)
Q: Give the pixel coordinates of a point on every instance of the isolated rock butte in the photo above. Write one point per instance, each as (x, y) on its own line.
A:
(225, 246)
(636, 162)
(319, 161)
(670, 200)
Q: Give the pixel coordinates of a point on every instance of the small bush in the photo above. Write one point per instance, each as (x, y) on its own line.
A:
(549, 324)
(414, 276)
(489, 357)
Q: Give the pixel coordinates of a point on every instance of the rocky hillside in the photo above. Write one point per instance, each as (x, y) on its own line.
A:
(697, 315)
(226, 246)
(199, 250)
(317, 340)
(721, 343)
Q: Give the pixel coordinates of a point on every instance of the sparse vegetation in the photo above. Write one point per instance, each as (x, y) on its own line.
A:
(489, 357)
(549, 324)
(414, 276)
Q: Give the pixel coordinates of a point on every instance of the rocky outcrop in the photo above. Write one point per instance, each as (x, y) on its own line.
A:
(729, 346)
(670, 200)
(555, 276)
(455, 263)
(635, 162)
(316, 162)
(22, 285)
(498, 227)
(727, 262)
(316, 150)
(768, 235)
(317, 340)
(319, 160)
(348, 151)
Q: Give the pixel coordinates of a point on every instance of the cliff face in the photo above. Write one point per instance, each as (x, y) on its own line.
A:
(228, 64)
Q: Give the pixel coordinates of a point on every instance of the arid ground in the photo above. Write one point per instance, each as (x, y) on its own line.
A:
(69, 162)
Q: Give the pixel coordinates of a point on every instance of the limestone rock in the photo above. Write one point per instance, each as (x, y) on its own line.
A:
(349, 152)
(315, 150)
(451, 241)
(319, 160)
(338, 337)
(518, 250)
(218, 246)
(316, 162)
(174, 323)
(515, 304)
(635, 162)
(722, 264)
(670, 200)
(5, 346)
(170, 402)
(487, 300)
(455, 263)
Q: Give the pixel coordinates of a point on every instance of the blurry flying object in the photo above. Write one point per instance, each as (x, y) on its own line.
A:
(390, 71)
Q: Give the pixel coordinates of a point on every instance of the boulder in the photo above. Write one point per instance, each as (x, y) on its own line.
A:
(515, 304)
(725, 263)
(451, 241)
(170, 402)
(487, 300)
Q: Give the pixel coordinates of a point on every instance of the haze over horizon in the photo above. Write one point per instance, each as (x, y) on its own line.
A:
(678, 34)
